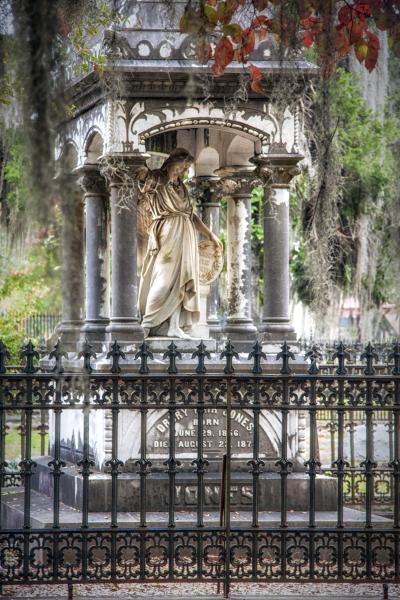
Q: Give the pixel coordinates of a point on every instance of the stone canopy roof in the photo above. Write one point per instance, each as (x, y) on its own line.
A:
(149, 42)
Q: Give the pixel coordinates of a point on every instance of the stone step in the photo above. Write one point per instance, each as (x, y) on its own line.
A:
(157, 485)
(12, 510)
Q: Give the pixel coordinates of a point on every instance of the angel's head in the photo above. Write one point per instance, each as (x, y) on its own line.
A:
(177, 163)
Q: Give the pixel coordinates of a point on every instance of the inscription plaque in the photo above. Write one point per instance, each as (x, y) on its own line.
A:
(214, 434)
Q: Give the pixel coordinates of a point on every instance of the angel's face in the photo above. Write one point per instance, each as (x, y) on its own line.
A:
(178, 169)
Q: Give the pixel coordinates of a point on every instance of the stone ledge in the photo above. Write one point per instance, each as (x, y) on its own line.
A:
(157, 486)
(12, 505)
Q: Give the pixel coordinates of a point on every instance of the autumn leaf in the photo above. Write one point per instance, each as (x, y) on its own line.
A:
(211, 16)
(203, 50)
(342, 41)
(345, 15)
(260, 5)
(234, 30)
(249, 40)
(361, 51)
(260, 21)
(224, 15)
(257, 87)
(308, 39)
(232, 5)
(362, 10)
(373, 49)
(223, 52)
(255, 72)
(217, 70)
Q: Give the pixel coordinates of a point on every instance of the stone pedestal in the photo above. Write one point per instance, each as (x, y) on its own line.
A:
(237, 183)
(97, 255)
(124, 323)
(72, 277)
(277, 170)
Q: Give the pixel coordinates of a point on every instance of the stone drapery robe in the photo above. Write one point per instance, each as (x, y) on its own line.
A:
(170, 271)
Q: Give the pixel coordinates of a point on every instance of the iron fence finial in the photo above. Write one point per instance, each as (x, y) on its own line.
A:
(87, 353)
(115, 353)
(4, 356)
(172, 354)
(58, 353)
(284, 355)
(144, 354)
(28, 351)
(257, 354)
(229, 353)
(201, 353)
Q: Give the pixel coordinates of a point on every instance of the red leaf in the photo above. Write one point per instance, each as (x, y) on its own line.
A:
(232, 5)
(217, 70)
(262, 34)
(249, 40)
(260, 5)
(357, 30)
(363, 10)
(255, 73)
(257, 87)
(223, 52)
(260, 21)
(224, 15)
(342, 41)
(373, 40)
(345, 15)
(308, 39)
(371, 58)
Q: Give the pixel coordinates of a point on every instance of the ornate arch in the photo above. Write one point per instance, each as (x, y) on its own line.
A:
(132, 122)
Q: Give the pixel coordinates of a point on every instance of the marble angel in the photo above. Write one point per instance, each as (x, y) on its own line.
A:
(169, 282)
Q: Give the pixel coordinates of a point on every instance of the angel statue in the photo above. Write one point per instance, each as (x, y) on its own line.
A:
(169, 281)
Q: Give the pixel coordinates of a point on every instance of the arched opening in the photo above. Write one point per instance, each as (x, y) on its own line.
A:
(93, 147)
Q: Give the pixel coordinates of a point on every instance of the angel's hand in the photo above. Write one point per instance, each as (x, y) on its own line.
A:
(216, 240)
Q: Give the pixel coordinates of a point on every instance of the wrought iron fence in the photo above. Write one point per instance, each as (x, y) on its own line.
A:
(248, 543)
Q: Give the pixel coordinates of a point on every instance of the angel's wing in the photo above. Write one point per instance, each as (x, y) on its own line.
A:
(145, 181)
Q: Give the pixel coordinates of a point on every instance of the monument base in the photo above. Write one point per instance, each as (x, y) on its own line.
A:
(12, 512)
(157, 486)
(159, 345)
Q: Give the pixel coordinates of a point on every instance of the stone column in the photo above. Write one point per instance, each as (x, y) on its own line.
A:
(237, 183)
(124, 323)
(72, 260)
(207, 189)
(277, 170)
(97, 256)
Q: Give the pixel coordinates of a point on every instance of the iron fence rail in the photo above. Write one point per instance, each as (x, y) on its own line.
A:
(249, 546)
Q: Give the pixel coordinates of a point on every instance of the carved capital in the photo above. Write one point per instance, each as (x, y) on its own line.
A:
(120, 168)
(238, 181)
(205, 189)
(91, 180)
(277, 168)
